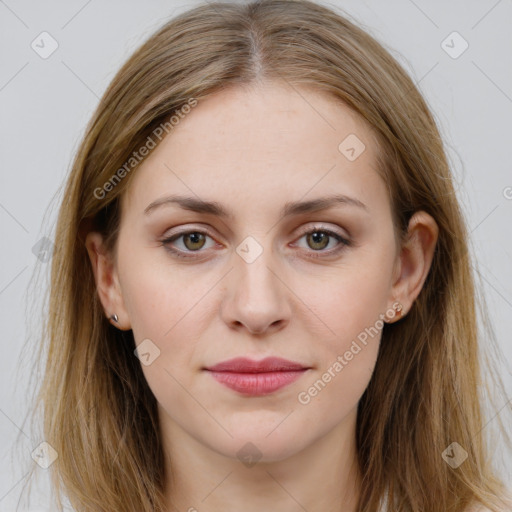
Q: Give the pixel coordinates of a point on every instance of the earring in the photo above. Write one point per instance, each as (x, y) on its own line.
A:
(397, 312)
(114, 317)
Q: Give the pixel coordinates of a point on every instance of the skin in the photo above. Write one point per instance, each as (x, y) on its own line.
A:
(253, 149)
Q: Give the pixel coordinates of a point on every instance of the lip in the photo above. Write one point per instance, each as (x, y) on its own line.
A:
(267, 365)
(257, 378)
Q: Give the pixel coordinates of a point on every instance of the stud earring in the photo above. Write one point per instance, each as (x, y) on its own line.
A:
(114, 317)
(397, 312)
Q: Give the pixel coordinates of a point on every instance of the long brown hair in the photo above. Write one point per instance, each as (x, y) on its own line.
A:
(426, 391)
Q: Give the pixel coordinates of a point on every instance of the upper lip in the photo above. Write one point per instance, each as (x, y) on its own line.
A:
(269, 364)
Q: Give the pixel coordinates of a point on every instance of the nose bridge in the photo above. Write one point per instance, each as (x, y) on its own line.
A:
(254, 278)
(258, 298)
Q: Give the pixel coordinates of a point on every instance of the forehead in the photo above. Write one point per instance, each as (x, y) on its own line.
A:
(270, 119)
(261, 143)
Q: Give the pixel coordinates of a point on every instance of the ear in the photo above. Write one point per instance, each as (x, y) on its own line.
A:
(415, 259)
(107, 282)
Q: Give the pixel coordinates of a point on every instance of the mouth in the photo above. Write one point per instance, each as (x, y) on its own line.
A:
(257, 378)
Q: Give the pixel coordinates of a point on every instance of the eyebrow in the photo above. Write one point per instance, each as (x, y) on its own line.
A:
(289, 209)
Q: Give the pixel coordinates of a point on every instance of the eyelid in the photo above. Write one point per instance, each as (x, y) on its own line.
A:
(181, 231)
(327, 229)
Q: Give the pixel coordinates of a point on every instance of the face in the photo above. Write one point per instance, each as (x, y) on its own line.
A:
(308, 286)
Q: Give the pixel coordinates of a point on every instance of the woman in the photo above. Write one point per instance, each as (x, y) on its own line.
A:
(261, 295)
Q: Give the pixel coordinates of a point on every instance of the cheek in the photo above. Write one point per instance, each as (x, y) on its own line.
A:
(161, 304)
(346, 359)
(351, 300)
(351, 306)
(158, 295)
(161, 307)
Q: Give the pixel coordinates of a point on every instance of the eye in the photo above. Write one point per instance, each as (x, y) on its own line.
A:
(319, 238)
(193, 241)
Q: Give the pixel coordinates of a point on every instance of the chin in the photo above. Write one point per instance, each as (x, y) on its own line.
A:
(250, 446)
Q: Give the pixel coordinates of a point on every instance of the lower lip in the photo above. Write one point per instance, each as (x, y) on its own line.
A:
(257, 384)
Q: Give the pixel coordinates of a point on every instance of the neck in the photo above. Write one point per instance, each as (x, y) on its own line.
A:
(324, 476)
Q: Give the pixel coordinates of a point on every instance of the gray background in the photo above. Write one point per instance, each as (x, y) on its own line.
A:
(46, 103)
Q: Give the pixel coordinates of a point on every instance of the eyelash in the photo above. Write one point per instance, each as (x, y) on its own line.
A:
(343, 242)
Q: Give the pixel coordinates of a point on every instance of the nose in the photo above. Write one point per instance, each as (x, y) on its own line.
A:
(256, 297)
